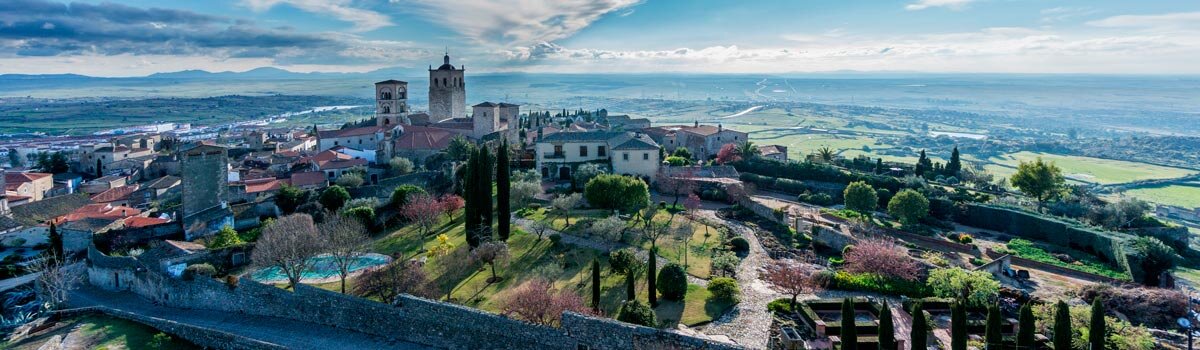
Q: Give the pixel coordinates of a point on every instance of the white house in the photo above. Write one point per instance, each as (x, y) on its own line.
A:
(625, 153)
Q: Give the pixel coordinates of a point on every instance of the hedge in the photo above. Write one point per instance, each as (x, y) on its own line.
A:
(866, 282)
(810, 171)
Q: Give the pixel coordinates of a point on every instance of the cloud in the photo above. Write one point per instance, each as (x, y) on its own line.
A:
(1167, 20)
(925, 4)
(504, 23)
(362, 19)
(42, 28)
(1061, 14)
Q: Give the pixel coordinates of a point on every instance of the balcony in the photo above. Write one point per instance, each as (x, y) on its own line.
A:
(554, 156)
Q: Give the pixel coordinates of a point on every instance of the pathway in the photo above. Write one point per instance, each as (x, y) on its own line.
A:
(749, 322)
(288, 333)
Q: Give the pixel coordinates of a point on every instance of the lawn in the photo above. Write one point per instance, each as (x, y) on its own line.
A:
(696, 308)
(1083, 261)
(568, 267)
(103, 332)
(1087, 169)
(1178, 195)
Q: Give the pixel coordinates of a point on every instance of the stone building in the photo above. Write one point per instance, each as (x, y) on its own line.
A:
(203, 171)
(447, 91)
(627, 153)
(703, 141)
(391, 102)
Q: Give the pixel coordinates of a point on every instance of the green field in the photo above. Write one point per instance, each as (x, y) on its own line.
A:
(1087, 169)
(1177, 195)
(100, 332)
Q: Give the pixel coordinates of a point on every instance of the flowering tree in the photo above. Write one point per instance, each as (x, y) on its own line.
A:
(450, 203)
(728, 153)
(882, 257)
(423, 211)
(536, 301)
(794, 279)
(491, 253)
(388, 282)
(442, 247)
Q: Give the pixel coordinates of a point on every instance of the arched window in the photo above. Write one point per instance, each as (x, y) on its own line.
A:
(433, 82)
(444, 82)
(387, 109)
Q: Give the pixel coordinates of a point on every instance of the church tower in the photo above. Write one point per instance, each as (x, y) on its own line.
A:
(391, 102)
(447, 91)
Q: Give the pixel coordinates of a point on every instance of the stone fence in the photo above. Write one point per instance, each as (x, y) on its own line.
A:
(411, 319)
(204, 337)
(923, 241)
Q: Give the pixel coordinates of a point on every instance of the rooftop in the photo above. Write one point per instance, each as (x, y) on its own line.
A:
(366, 130)
(115, 194)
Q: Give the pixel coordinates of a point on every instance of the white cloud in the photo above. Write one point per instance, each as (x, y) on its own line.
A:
(924, 4)
(1060, 14)
(516, 22)
(1167, 20)
(363, 20)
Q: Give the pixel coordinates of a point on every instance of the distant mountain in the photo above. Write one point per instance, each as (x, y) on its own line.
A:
(43, 76)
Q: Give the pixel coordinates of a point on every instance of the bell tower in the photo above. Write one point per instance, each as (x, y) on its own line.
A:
(447, 91)
(391, 102)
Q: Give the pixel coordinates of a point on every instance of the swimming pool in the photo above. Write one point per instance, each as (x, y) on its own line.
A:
(322, 267)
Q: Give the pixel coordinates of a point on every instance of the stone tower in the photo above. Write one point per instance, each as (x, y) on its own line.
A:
(486, 117)
(391, 102)
(447, 91)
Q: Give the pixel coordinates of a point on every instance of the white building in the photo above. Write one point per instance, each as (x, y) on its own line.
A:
(626, 153)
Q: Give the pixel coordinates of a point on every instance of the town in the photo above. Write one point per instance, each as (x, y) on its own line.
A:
(490, 227)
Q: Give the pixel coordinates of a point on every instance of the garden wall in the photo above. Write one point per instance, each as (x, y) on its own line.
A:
(991, 254)
(412, 319)
(204, 337)
(1108, 246)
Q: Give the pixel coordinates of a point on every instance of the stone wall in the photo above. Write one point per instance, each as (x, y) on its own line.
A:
(204, 337)
(412, 319)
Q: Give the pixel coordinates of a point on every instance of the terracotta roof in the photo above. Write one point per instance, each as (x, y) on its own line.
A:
(307, 178)
(349, 132)
(423, 138)
(100, 211)
(262, 185)
(325, 156)
(341, 163)
(770, 149)
(141, 221)
(49, 208)
(115, 194)
(23, 177)
(13, 197)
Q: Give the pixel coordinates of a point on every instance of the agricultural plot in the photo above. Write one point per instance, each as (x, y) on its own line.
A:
(1087, 169)
(1177, 195)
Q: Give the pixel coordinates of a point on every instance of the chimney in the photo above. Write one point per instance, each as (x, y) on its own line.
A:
(719, 127)
(697, 124)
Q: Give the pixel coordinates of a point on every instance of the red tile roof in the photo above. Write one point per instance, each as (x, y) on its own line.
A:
(424, 138)
(115, 194)
(140, 221)
(349, 132)
(99, 211)
(23, 177)
(307, 179)
(262, 185)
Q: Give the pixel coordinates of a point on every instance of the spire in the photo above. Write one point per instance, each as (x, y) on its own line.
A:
(446, 57)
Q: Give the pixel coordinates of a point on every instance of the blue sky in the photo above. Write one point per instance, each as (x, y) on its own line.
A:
(137, 37)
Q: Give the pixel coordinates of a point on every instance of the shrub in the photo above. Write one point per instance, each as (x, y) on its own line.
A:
(364, 215)
(402, 193)
(860, 197)
(964, 238)
(555, 239)
(724, 288)
(866, 282)
(334, 197)
(909, 206)
(400, 165)
(978, 262)
(610, 191)
(672, 282)
(231, 281)
(226, 237)
(780, 306)
(740, 245)
(350, 180)
(950, 282)
(637, 312)
(816, 199)
(205, 269)
(725, 263)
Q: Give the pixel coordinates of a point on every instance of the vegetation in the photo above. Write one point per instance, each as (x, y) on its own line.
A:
(1025, 328)
(1082, 261)
(881, 257)
(226, 237)
(958, 326)
(288, 244)
(503, 193)
(1097, 333)
(1156, 258)
(637, 312)
(334, 197)
(618, 192)
(1038, 179)
(909, 206)
(402, 194)
(992, 335)
(860, 197)
(887, 331)
(878, 284)
(794, 279)
(672, 282)
(919, 333)
(849, 333)
(979, 286)
(724, 289)
(536, 301)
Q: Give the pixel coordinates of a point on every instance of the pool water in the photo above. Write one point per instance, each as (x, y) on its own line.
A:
(321, 267)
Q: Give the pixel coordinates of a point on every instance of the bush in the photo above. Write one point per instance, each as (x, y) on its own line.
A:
(400, 166)
(637, 312)
(724, 288)
(231, 281)
(950, 282)
(816, 199)
(672, 282)
(555, 239)
(978, 262)
(1154, 307)
(402, 194)
(610, 191)
(780, 306)
(350, 180)
(334, 197)
(205, 269)
(226, 237)
(964, 238)
(740, 245)
(860, 197)
(866, 282)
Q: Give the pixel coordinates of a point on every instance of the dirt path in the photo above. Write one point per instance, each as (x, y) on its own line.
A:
(749, 322)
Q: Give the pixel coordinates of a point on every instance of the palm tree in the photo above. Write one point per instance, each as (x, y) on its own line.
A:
(826, 153)
(748, 150)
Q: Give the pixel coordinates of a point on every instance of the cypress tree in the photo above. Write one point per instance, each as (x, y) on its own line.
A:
(879, 165)
(471, 197)
(650, 272)
(1062, 326)
(1097, 330)
(630, 286)
(920, 167)
(993, 337)
(56, 243)
(849, 333)
(920, 328)
(955, 165)
(1025, 338)
(958, 326)
(596, 285)
(887, 331)
(485, 188)
(503, 207)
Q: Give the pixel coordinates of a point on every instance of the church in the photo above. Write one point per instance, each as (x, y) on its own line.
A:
(416, 135)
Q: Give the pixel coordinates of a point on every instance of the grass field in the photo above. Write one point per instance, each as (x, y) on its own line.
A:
(1087, 169)
(102, 332)
(1178, 195)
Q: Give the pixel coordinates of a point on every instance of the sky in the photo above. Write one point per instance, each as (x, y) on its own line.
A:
(140, 37)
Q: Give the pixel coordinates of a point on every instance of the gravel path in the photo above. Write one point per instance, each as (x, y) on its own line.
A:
(749, 322)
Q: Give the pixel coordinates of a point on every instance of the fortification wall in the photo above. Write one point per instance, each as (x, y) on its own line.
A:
(412, 319)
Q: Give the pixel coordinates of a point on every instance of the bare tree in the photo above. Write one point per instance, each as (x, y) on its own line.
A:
(536, 301)
(680, 184)
(288, 244)
(344, 240)
(793, 279)
(398, 277)
(56, 280)
(491, 253)
(566, 203)
(611, 228)
(540, 227)
(423, 210)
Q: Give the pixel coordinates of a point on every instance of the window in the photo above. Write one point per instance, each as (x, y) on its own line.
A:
(335, 143)
(600, 151)
(558, 150)
(645, 155)
(583, 151)
(625, 155)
